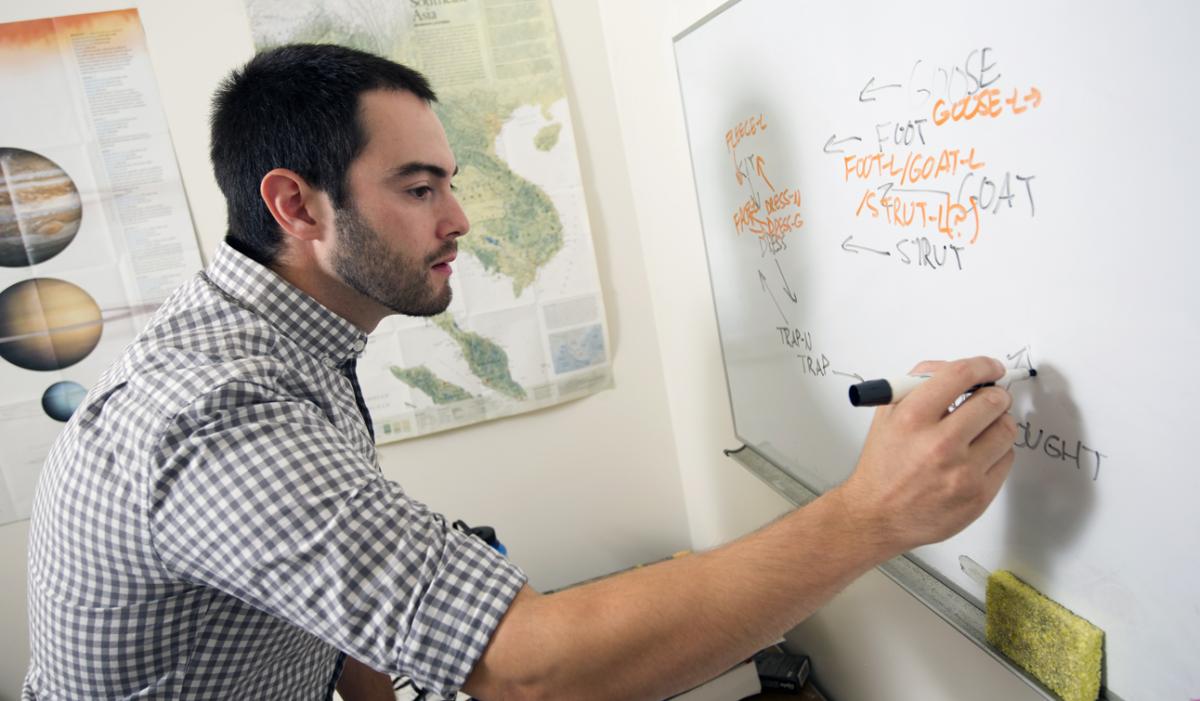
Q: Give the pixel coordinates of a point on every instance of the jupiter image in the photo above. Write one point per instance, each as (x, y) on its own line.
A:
(40, 209)
(47, 324)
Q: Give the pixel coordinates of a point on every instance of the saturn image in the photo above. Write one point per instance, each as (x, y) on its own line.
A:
(47, 324)
(40, 209)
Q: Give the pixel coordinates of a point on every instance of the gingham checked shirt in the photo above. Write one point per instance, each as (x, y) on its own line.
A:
(212, 523)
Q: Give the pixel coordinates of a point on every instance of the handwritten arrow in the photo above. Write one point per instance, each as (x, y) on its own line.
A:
(855, 248)
(920, 191)
(1021, 359)
(762, 279)
(786, 290)
(743, 177)
(834, 141)
(737, 168)
(855, 375)
(862, 95)
(760, 168)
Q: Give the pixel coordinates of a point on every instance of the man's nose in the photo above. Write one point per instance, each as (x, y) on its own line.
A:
(456, 222)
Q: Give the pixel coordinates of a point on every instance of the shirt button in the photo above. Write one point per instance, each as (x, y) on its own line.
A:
(329, 361)
(359, 345)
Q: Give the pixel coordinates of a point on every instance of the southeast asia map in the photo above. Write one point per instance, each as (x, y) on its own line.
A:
(526, 328)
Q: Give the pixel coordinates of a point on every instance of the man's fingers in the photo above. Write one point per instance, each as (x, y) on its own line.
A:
(994, 441)
(928, 367)
(930, 400)
(994, 478)
(978, 412)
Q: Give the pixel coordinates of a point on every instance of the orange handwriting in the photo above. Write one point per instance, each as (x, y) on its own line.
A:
(782, 199)
(914, 168)
(956, 221)
(747, 127)
(745, 217)
(781, 215)
(985, 103)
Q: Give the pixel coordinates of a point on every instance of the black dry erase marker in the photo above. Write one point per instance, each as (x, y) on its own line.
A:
(890, 391)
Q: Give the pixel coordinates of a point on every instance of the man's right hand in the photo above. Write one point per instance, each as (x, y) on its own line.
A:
(926, 473)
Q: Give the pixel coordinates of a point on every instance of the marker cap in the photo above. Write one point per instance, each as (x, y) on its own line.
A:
(871, 393)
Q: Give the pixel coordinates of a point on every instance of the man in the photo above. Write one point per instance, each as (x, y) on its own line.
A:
(212, 522)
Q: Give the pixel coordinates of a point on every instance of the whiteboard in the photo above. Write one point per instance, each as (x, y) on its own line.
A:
(884, 182)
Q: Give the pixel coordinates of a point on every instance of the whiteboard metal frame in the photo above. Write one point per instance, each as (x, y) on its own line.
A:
(935, 593)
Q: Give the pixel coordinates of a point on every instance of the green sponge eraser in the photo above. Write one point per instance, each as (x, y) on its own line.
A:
(1056, 647)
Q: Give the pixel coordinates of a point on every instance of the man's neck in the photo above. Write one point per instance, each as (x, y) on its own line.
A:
(333, 294)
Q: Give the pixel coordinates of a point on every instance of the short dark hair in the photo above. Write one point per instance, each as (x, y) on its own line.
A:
(294, 107)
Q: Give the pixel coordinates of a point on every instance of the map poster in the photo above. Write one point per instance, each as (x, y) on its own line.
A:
(527, 327)
(94, 226)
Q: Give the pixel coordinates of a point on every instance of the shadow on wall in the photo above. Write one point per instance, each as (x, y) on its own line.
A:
(1050, 495)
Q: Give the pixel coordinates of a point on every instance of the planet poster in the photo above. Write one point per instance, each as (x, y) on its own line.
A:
(40, 210)
(94, 226)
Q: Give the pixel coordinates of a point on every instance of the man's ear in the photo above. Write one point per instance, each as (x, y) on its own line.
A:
(301, 211)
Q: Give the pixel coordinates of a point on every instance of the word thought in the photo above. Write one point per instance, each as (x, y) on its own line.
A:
(1058, 448)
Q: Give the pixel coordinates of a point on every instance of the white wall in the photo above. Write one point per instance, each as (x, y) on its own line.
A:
(574, 491)
(874, 641)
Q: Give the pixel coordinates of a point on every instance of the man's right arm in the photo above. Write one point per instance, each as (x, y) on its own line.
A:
(924, 475)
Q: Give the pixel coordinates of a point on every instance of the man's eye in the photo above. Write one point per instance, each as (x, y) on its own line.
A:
(421, 192)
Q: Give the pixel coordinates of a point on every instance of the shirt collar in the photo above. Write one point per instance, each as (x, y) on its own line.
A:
(285, 307)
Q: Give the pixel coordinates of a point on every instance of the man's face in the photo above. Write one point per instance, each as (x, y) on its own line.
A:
(397, 237)
(393, 278)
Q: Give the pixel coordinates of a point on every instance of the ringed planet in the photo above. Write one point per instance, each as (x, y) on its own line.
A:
(48, 324)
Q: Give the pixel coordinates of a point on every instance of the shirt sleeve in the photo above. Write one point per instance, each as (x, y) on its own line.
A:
(262, 497)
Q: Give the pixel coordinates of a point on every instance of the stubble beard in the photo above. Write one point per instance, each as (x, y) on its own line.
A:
(392, 279)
